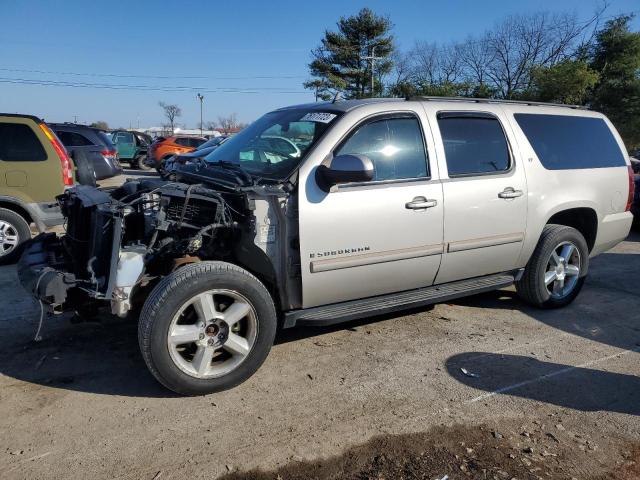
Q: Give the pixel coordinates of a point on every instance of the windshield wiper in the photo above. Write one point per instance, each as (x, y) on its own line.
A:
(239, 168)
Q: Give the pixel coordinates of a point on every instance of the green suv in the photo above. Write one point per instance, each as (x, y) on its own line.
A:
(34, 169)
(132, 147)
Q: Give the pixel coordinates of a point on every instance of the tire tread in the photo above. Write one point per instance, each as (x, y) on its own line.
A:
(528, 286)
(165, 288)
(24, 231)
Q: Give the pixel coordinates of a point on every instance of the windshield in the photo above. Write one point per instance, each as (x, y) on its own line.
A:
(274, 145)
(211, 142)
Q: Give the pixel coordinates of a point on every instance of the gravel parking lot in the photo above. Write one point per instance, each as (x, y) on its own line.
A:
(484, 387)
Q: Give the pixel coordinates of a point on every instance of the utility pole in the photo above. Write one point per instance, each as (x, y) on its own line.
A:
(372, 58)
(201, 98)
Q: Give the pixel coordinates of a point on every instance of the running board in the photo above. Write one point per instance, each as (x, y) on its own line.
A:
(354, 309)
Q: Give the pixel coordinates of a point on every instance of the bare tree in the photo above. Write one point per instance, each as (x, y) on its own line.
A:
(521, 42)
(424, 57)
(402, 67)
(476, 56)
(501, 61)
(450, 65)
(229, 123)
(101, 125)
(171, 112)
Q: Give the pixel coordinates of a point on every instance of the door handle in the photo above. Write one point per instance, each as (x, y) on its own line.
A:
(509, 192)
(420, 203)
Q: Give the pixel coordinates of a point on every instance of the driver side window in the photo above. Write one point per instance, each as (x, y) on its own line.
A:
(394, 145)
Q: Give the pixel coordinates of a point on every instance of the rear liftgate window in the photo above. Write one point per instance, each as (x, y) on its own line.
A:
(566, 142)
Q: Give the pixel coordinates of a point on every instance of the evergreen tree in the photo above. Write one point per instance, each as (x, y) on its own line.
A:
(616, 57)
(339, 63)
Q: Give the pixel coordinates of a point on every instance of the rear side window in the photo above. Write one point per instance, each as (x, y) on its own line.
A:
(566, 142)
(474, 143)
(72, 139)
(18, 143)
(394, 145)
(124, 137)
(185, 142)
(196, 142)
(106, 140)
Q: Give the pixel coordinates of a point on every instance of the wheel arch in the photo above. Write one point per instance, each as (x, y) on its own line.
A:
(256, 262)
(583, 219)
(582, 215)
(18, 208)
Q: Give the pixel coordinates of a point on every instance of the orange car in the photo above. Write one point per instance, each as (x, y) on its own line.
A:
(165, 147)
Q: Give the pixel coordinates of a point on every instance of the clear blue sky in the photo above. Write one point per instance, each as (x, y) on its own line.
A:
(216, 40)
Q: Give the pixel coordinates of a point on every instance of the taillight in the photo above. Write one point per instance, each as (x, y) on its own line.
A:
(109, 153)
(65, 161)
(632, 187)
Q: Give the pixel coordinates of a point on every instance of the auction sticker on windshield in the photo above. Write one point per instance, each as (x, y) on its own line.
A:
(321, 117)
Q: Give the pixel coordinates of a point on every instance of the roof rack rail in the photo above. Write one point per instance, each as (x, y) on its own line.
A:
(532, 103)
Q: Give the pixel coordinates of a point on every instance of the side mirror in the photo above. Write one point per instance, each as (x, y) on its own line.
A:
(345, 169)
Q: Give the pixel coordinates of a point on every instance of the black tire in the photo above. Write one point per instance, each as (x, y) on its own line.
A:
(140, 163)
(172, 293)
(85, 171)
(531, 287)
(13, 224)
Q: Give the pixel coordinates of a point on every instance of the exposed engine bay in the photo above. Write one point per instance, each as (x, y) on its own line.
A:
(119, 243)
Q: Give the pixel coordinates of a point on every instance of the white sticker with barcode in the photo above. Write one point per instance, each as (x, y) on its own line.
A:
(267, 233)
(322, 117)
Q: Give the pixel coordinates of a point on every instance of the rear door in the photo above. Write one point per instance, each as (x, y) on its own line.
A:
(125, 143)
(485, 192)
(372, 238)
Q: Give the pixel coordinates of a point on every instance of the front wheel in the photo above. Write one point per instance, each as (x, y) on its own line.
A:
(14, 231)
(206, 328)
(557, 269)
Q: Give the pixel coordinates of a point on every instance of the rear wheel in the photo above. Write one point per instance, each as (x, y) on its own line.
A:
(206, 327)
(14, 231)
(557, 269)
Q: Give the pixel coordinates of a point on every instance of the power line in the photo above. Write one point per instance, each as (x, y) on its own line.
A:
(159, 77)
(140, 87)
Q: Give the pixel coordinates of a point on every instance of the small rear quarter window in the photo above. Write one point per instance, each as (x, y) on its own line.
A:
(564, 142)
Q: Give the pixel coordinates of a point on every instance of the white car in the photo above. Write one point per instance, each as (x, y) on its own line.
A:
(388, 204)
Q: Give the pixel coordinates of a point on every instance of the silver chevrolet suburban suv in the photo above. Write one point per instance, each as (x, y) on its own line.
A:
(322, 213)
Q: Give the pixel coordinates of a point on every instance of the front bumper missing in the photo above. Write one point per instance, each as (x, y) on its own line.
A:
(41, 270)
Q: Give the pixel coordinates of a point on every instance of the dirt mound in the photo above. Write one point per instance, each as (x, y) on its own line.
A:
(458, 452)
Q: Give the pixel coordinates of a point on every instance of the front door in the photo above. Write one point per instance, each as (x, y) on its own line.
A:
(485, 195)
(372, 238)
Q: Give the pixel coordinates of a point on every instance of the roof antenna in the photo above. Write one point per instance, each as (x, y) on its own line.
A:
(337, 97)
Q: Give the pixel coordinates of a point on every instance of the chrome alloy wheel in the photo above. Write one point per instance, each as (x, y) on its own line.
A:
(9, 238)
(212, 333)
(563, 270)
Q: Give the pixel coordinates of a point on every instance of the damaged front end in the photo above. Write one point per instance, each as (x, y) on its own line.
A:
(119, 243)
